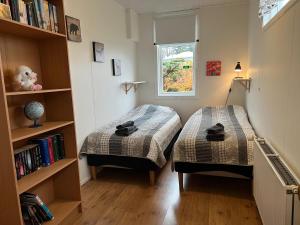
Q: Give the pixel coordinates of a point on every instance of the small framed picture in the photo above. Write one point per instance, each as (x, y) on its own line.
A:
(213, 68)
(116, 65)
(73, 29)
(5, 11)
(98, 52)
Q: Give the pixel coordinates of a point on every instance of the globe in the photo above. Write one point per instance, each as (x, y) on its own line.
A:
(34, 111)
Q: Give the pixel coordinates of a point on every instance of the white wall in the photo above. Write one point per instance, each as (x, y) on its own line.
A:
(223, 36)
(98, 97)
(273, 103)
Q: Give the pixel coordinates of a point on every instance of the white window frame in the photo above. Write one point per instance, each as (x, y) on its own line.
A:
(269, 19)
(160, 91)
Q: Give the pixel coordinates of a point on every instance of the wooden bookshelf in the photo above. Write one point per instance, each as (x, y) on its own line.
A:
(46, 53)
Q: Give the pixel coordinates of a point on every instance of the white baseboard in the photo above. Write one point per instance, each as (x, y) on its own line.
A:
(85, 180)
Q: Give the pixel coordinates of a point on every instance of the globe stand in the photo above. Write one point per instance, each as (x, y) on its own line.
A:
(36, 124)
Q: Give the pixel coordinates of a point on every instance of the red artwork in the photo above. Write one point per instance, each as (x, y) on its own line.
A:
(213, 68)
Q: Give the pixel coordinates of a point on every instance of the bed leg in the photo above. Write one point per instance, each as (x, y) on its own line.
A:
(180, 181)
(93, 170)
(152, 177)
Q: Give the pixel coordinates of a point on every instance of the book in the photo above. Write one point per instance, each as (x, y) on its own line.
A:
(61, 146)
(42, 14)
(51, 15)
(43, 144)
(55, 140)
(37, 13)
(46, 15)
(50, 149)
(22, 12)
(55, 18)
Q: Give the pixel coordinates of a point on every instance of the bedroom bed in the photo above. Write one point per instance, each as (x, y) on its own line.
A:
(147, 149)
(193, 153)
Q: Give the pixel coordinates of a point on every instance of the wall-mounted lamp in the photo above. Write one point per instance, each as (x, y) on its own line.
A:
(238, 69)
(246, 82)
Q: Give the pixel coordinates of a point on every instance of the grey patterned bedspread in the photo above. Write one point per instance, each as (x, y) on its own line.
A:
(236, 149)
(157, 125)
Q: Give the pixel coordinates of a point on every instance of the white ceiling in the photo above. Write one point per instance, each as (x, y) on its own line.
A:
(157, 6)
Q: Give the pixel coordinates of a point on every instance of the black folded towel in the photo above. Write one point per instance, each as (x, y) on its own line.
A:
(216, 137)
(126, 131)
(126, 124)
(216, 129)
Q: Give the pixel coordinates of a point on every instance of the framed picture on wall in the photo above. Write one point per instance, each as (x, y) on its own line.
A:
(116, 65)
(213, 68)
(73, 29)
(98, 52)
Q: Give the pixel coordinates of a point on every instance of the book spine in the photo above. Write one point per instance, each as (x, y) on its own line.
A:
(26, 172)
(17, 165)
(22, 12)
(29, 161)
(51, 17)
(17, 10)
(39, 154)
(55, 18)
(33, 160)
(55, 147)
(42, 13)
(37, 13)
(46, 15)
(45, 208)
(29, 16)
(61, 144)
(43, 143)
(50, 149)
(21, 165)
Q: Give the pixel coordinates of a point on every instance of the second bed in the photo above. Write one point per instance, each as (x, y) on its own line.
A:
(193, 153)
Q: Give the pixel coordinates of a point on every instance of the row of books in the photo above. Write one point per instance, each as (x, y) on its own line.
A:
(38, 13)
(42, 151)
(34, 210)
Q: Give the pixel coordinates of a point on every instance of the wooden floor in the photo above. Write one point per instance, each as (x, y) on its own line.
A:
(123, 197)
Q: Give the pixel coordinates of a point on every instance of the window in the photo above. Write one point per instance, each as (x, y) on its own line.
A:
(269, 9)
(176, 70)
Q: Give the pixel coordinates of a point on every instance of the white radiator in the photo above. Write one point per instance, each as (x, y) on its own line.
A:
(275, 187)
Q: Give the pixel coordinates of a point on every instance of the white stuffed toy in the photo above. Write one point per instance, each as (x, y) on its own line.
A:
(25, 79)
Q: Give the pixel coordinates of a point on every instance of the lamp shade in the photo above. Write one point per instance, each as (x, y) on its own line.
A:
(238, 67)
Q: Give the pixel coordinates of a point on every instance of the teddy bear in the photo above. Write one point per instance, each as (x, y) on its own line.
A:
(24, 79)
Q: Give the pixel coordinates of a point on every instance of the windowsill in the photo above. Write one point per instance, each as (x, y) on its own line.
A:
(280, 14)
(192, 94)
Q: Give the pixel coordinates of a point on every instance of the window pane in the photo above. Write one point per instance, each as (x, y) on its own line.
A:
(177, 68)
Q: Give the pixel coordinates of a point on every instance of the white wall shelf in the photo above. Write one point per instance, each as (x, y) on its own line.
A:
(133, 84)
(246, 82)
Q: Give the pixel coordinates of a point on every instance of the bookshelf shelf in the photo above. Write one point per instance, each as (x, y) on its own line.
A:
(26, 132)
(29, 181)
(37, 92)
(24, 30)
(61, 209)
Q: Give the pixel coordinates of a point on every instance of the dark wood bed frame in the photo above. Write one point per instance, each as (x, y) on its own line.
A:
(152, 174)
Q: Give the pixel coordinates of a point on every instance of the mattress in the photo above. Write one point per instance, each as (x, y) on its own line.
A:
(157, 126)
(234, 153)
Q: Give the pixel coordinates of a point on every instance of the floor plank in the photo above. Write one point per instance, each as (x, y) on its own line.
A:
(124, 197)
